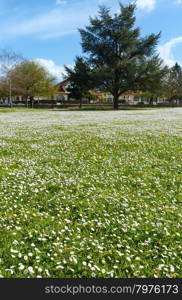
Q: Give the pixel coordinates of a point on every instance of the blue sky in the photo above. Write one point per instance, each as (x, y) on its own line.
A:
(46, 30)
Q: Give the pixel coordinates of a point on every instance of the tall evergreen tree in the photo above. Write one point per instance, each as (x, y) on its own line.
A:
(152, 76)
(120, 57)
(80, 79)
(173, 83)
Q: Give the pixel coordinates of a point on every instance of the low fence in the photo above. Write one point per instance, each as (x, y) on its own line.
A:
(51, 104)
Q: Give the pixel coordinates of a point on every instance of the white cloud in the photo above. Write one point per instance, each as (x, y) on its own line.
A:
(103, 1)
(147, 5)
(57, 34)
(55, 70)
(57, 22)
(58, 2)
(62, 20)
(165, 51)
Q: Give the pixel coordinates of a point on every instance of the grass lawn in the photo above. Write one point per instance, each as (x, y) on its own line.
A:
(91, 193)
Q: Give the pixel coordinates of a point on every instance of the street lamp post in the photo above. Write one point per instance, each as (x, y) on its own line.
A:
(10, 92)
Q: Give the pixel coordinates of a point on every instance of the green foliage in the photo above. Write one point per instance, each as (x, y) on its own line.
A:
(173, 83)
(80, 79)
(4, 88)
(30, 79)
(121, 59)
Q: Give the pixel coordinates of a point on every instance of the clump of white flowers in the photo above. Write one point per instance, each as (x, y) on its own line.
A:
(91, 194)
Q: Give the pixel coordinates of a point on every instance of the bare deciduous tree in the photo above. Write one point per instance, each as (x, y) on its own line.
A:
(8, 61)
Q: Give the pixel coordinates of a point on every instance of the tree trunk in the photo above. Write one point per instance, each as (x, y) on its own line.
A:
(173, 103)
(32, 101)
(151, 101)
(80, 105)
(116, 104)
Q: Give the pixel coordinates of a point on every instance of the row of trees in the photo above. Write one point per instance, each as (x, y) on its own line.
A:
(117, 60)
(23, 77)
